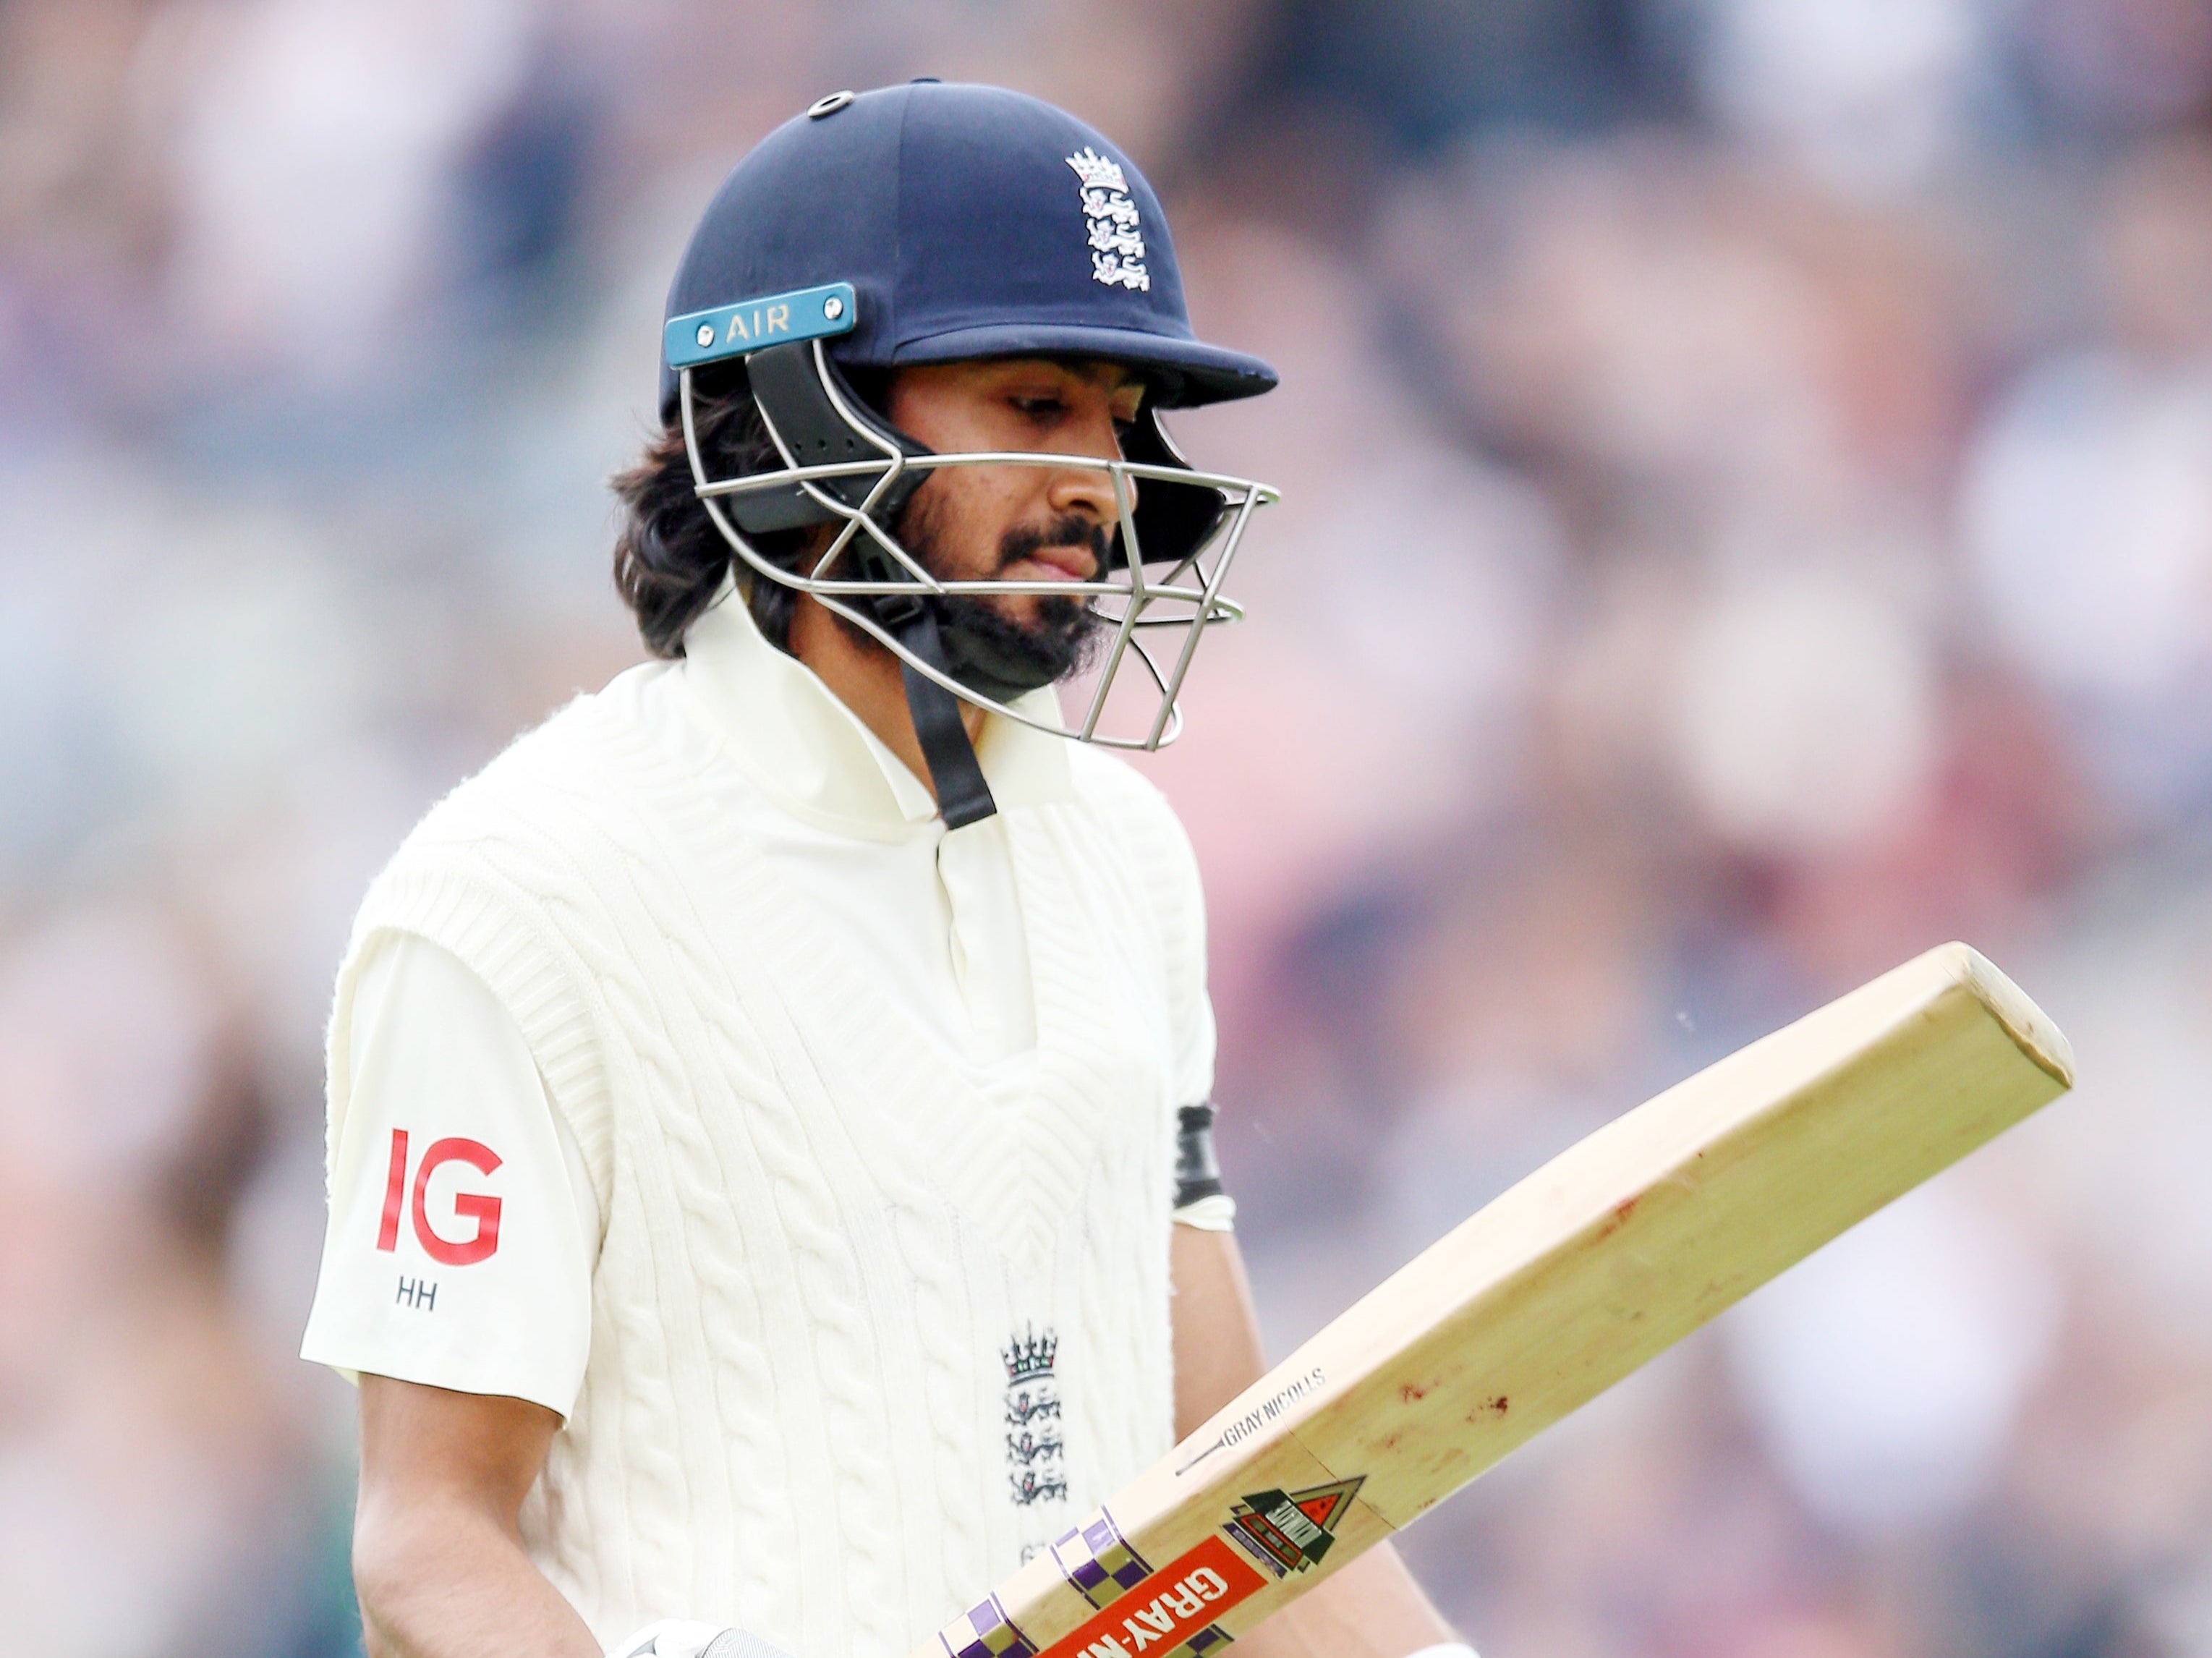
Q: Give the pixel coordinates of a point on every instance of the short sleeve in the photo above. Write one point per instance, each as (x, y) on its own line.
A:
(463, 1229)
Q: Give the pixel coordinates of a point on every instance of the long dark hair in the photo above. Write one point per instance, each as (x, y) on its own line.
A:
(669, 557)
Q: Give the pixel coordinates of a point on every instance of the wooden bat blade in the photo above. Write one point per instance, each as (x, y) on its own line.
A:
(1541, 1300)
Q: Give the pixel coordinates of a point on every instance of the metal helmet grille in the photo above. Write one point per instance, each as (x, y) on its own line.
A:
(1155, 618)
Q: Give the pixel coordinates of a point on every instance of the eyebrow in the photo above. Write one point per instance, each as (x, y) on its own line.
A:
(1114, 376)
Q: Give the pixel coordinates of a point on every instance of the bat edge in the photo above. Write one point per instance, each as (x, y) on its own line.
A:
(2033, 1030)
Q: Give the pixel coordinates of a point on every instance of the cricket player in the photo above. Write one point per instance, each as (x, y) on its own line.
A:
(770, 1194)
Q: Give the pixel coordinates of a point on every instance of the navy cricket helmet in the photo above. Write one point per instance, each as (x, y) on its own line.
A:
(929, 223)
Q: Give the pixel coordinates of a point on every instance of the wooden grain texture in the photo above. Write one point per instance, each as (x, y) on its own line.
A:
(1541, 1300)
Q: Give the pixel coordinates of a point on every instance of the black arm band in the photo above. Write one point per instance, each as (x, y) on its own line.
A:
(1197, 1174)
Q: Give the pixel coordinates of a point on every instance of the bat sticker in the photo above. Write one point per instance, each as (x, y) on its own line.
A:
(1171, 1613)
(1097, 1560)
(985, 1631)
(1289, 1531)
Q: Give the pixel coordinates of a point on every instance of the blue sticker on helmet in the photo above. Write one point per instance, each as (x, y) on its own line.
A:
(730, 330)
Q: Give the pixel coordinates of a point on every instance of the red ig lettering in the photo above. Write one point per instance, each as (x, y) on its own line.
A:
(479, 1207)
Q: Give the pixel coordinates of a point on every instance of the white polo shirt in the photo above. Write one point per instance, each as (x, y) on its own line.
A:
(450, 1152)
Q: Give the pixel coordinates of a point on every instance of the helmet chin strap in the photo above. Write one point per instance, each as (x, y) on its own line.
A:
(963, 795)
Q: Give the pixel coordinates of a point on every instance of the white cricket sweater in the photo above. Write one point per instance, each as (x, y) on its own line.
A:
(823, 1246)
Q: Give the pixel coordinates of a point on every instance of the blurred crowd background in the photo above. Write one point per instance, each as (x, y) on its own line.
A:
(1748, 517)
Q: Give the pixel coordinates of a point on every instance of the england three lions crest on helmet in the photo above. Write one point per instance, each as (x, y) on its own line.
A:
(1117, 242)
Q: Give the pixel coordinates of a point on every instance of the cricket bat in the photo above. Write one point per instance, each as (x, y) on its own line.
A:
(1544, 1298)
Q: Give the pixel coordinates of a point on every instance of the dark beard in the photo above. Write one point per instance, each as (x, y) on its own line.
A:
(992, 653)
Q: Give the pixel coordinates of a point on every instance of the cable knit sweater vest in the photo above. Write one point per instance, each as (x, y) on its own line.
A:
(826, 1255)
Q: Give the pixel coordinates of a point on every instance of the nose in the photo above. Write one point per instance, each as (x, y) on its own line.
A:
(1089, 490)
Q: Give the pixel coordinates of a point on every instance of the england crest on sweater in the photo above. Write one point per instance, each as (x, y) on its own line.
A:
(1036, 1470)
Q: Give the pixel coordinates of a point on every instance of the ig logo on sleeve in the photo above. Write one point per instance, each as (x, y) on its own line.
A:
(479, 1207)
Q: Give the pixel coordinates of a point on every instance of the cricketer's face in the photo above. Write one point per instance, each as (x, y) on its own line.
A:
(1021, 523)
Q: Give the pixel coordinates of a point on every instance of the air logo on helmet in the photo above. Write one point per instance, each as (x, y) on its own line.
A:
(732, 330)
(1117, 242)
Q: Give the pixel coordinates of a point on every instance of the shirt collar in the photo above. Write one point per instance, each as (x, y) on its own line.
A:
(792, 736)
